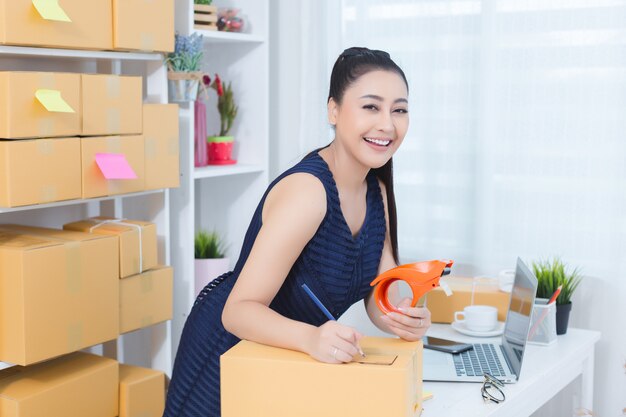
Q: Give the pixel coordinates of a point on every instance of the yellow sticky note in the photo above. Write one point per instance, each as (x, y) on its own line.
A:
(51, 10)
(52, 101)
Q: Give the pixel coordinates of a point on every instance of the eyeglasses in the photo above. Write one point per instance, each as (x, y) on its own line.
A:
(492, 389)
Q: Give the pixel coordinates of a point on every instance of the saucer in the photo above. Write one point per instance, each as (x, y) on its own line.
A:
(460, 327)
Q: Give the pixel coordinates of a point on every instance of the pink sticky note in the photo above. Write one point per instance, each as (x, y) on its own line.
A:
(114, 166)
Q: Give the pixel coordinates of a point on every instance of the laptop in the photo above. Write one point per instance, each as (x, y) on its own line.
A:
(502, 360)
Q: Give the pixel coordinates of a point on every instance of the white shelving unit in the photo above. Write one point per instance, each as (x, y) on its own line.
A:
(149, 347)
(222, 198)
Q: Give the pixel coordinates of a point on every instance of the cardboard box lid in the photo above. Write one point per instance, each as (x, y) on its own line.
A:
(50, 234)
(19, 242)
(113, 227)
(25, 382)
(386, 349)
(482, 284)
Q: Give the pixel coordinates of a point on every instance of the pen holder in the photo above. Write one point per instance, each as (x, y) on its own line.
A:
(543, 323)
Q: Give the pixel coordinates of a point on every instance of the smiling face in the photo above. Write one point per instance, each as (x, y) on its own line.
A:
(372, 118)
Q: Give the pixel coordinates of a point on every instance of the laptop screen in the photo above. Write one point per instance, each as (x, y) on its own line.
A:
(518, 318)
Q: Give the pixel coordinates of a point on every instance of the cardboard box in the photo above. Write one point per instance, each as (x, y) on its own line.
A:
(138, 25)
(22, 23)
(76, 385)
(94, 182)
(142, 392)
(264, 381)
(112, 104)
(137, 241)
(58, 292)
(23, 100)
(161, 137)
(39, 171)
(146, 299)
(486, 292)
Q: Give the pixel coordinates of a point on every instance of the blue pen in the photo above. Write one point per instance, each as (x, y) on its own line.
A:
(317, 302)
(322, 307)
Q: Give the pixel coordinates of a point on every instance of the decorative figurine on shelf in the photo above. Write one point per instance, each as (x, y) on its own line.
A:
(183, 68)
(221, 146)
(229, 20)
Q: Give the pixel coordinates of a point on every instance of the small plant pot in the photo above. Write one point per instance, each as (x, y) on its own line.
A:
(206, 270)
(182, 86)
(220, 150)
(562, 317)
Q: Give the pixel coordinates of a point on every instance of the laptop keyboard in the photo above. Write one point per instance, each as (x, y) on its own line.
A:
(477, 361)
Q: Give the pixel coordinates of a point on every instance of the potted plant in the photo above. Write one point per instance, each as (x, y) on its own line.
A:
(183, 68)
(221, 145)
(210, 260)
(550, 275)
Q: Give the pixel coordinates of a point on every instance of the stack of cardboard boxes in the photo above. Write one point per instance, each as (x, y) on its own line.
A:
(45, 160)
(65, 290)
(60, 291)
(95, 24)
(145, 288)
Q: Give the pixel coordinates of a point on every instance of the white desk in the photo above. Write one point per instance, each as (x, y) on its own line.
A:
(545, 371)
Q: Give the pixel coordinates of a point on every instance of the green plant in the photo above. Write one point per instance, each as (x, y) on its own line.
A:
(228, 110)
(552, 273)
(187, 55)
(208, 245)
(205, 2)
(225, 102)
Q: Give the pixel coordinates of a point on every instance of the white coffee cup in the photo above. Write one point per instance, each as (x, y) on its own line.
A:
(478, 318)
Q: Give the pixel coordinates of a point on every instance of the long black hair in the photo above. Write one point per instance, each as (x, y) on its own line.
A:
(350, 65)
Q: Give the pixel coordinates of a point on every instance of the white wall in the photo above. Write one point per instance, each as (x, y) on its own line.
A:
(591, 229)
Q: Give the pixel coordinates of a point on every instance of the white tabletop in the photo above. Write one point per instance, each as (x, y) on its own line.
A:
(545, 371)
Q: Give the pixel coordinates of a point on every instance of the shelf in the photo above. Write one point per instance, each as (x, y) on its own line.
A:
(214, 36)
(220, 171)
(4, 365)
(27, 51)
(77, 201)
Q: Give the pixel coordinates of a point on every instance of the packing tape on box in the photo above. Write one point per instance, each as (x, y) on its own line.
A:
(114, 144)
(73, 267)
(48, 193)
(100, 223)
(146, 321)
(47, 80)
(114, 120)
(478, 281)
(113, 86)
(146, 41)
(45, 126)
(146, 282)
(74, 336)
(150, 148)
(45, 146)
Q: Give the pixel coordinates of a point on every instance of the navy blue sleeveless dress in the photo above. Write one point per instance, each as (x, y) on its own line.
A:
(335, 265)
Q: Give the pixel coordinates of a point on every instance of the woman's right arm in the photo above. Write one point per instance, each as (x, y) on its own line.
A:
(292, 213)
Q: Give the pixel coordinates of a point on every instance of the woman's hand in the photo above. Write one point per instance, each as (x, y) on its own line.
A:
(412, 324)
(334, 343)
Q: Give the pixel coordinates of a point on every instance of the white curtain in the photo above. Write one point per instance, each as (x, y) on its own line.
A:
(517, 144)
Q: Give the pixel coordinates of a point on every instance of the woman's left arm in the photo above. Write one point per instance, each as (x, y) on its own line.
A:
(412, 324)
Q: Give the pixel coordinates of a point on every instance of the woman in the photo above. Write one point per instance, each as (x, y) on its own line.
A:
(329, 222)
